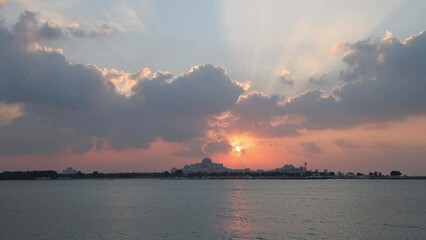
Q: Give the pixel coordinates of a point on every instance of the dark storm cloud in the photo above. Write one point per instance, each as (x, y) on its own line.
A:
(69, 106)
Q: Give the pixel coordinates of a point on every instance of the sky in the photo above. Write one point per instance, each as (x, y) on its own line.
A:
(138, 85)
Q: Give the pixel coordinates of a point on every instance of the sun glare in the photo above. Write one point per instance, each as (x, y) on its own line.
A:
(241, 143)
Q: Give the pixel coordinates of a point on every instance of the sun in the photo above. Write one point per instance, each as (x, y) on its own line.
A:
(241, 145)
(239, 149)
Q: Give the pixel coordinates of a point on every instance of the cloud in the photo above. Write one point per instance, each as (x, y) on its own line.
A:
(319, 81)
(124, 81)
(59, 102)
(383, 146)
(284, 77)
(99, 144)
(68, 106)
(83, 145)
(125, 18)
(48, 31)
(31, 27)
(217, 146)
(193, 148)
(310, 147)
(79, 108)
(260, 115)
(75, 31)
(344, 144)
(8, 112)
(390, 87)
(384, 81)
(31, 136)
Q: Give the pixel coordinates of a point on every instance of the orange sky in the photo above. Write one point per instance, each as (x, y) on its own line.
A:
(247, 88)
(385, 147)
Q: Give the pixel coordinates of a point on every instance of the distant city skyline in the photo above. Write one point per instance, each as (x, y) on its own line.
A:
(134, 85)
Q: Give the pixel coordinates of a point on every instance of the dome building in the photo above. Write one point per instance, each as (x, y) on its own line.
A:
(69, 171)
(207, 166)
(289, 168)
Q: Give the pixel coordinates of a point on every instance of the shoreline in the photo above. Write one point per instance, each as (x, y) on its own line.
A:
(213, 178)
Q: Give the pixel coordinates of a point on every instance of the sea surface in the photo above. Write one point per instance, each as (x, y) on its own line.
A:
(212, 209)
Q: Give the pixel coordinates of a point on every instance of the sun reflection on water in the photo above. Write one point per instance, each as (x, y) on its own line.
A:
(236, 224)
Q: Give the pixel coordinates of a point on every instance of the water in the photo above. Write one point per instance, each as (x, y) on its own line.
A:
(213, 209)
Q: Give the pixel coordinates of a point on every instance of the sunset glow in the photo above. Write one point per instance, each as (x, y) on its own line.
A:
(144, 85)
(239, 148)
(212, 119)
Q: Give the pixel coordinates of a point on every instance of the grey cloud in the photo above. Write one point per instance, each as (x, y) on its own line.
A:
(99, 144)
(77, 104)
(76, 32)
(344, 144)
(383, 145)
(258, 107)
(310, 147)
(26, 25)
(284, 77)
(260, 114)
(31, 28)
(286, 81)
(318, 111)
(384, 82)
(60, 101)
(193, 149)
(49, 31)
(389, 88)
(361, 58)
(398, 85)
(206, 89)
(177, 109)
(102, 31)
(217, 146)
(82, 145)
(319, 81)
(29, 136)
(69, 106)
